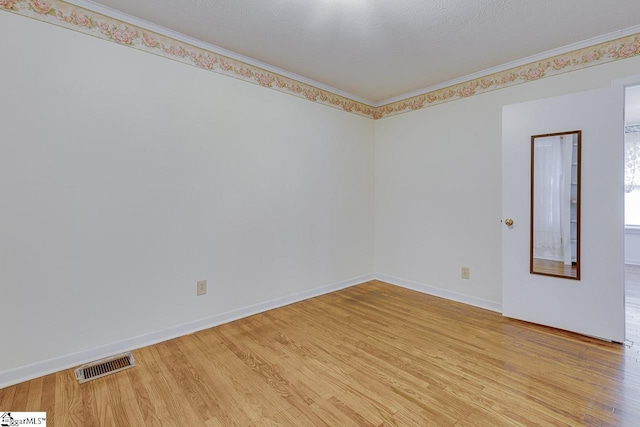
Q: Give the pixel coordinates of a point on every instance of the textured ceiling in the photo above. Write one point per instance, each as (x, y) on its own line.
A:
(380, 49)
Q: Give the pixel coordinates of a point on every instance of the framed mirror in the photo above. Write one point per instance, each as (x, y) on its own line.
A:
(555, 204)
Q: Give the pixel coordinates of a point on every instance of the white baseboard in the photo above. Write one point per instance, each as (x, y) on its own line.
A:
(442, 293)
(45, 367)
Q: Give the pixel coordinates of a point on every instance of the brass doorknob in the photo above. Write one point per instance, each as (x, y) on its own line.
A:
(508, 222)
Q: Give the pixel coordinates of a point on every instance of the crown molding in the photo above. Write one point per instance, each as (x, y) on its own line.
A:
(571, 58)
(124, 17)
(159, 29)
(514, 64)
(88, 17)
(175, 46)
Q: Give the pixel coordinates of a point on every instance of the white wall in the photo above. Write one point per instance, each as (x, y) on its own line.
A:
(632, 246)
(438, 188)
(125, 178)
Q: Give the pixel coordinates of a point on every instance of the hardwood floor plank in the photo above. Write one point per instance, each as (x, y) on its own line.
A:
(124, 400)
(48, 399)
(104, 412)
(229, 389)
(169, 401)
(269, 374)
(352, 380)
(369, 355)
(146, 396)
(186, 382)
(89, 406)
(68, 406)
(7, 395)
(22, 393)
(34, 397)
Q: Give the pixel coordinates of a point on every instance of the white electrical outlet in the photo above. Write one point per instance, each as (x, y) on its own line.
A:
(201, 287)
(464, 272)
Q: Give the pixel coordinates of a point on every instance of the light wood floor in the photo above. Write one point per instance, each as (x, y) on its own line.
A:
(371, 355)
(554, 268)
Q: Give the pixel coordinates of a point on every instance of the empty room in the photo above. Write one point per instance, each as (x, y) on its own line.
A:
(322, 212)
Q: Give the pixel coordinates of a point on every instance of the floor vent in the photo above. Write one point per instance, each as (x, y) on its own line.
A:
(102, 367)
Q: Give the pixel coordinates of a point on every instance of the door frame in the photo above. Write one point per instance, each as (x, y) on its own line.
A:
(625, 82)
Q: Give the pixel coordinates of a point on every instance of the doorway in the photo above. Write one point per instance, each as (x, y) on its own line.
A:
(632, 212)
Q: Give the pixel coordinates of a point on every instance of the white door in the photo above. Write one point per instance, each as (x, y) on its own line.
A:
(593, 305)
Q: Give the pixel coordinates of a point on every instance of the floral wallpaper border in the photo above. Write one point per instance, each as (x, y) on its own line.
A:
(70, 16)
(61, 13)
(622, 48)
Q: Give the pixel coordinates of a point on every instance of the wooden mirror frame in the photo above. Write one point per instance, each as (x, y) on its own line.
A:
(552, 267)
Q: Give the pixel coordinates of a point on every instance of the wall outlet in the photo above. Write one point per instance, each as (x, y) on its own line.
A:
(201, 287)
(464, 272)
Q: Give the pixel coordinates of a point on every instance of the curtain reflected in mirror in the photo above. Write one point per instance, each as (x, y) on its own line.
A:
(555, 204)
(631, 158)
